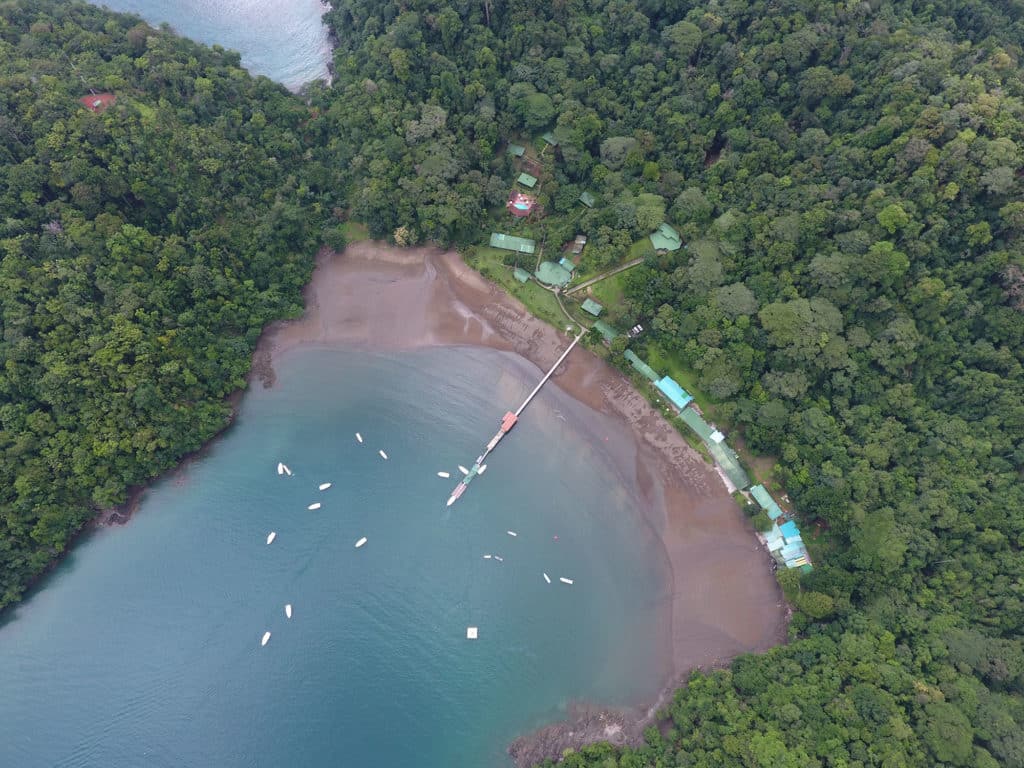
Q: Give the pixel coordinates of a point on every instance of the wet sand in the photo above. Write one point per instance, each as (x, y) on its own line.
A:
(724, 598)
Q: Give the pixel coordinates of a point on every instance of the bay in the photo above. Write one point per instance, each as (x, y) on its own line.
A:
(143, 647)
(282, 39)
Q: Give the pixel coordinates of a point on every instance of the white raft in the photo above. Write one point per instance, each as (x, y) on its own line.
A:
(443, 474)
(564, 580)
(286, 470)
(288, 610)
(487, 557)
(511, 533)
(483, 468)
(359, 437)
(314, 505)
(463, 470)
(499, 558)
(280, 468)
(324, 486)
(271, 536)
(383, 455)
(360, 542)
(547, 578)
(266, 638)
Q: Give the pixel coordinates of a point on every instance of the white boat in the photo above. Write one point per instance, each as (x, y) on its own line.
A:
(266, 638)
(324, 486)
(383, 455)
(359, 437)
(564, 580)
(511, 533)
(443, 474)
(463, 470)
(360, 542)
(286, 470)
(499, 558)
(288, 610)
(483, 468)
(314, 505)
(547, 578)
(271, 536)
(280, 468)
(487, 557)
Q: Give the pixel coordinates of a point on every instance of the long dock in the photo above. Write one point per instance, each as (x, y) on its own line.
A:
(507, 422)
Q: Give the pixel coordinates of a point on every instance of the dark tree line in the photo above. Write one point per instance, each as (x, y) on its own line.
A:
(142, 250)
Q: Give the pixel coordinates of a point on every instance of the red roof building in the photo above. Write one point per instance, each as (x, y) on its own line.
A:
(97, 102)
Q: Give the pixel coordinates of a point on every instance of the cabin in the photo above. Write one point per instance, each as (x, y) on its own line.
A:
(592, 307)
(97, 102)
(527, 180)
(665, 238)
(510, 243)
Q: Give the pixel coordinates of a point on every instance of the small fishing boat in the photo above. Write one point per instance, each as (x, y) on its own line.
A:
(324, 486)
(483, 468)
(463, 470)
(564, 580)
(547, 578)
(359, 437)
(288, 610)
(487, 557)
(443, 474)
(266, 638)
(286, 470)
(499, 558)
(314, 505)
(280, 468)
(383, 455)
(360, 542)
(271, 536)
(511, 533)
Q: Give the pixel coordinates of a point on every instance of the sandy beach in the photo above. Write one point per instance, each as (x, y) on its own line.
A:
(724, 598)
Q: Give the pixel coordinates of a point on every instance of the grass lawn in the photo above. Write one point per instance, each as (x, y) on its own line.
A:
(540, 301)
(609, 293)
(354, 231)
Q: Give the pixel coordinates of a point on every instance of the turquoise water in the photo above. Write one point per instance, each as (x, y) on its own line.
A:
(282, 39)
(143, 648)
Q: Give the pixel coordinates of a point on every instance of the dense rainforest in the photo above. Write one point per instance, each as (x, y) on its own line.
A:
(143, 247)
(848, 176)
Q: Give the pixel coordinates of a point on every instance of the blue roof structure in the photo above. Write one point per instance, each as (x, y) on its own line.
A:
(671, 389)
(789, 530)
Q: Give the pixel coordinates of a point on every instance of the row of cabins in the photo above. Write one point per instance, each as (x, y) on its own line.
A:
(783, 541)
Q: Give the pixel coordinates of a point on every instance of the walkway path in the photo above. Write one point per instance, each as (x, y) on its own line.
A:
(603, 275)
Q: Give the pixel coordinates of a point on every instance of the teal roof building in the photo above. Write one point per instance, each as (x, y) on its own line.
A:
(510, 243)
(664, 238)
(550, 273)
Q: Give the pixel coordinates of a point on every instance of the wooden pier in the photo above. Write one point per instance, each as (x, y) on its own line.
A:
(507, 422)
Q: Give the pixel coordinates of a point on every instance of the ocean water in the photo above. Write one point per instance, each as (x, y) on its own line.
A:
(282, 39)
(143, 647)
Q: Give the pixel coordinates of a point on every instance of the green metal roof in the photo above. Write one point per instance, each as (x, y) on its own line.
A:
(605, 330)
(527, 180)
(588, 199)
(727, 459)
(510, 243)
(550, 138)
(664, 238)
(765, 501)
(640, 365)
(550, 273)
(591, 306)
(521, 275)
(516, 150)
(697, 424)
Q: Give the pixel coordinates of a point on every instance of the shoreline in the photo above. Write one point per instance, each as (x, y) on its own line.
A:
(724, 599)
